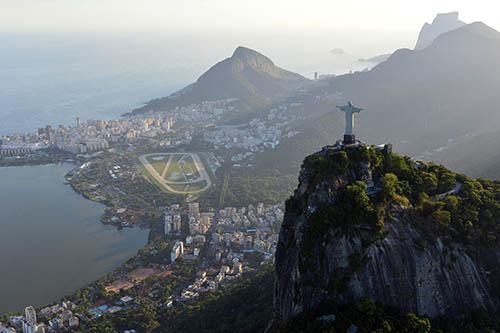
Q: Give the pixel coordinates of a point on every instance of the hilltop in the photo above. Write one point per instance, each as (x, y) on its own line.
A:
(367, 225)
(248, 77)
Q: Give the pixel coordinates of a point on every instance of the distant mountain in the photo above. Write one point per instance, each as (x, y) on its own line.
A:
(442, 23)
(377, 59)
(247, 76)
(418, 100)
(424, 98)
(478, 156)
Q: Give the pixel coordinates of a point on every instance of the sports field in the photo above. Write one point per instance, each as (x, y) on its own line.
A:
(180, 173)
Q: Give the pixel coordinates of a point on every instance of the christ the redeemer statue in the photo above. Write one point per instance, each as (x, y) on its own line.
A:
(349, 110)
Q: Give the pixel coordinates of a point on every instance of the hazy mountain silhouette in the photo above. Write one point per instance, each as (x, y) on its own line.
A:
(478, 156)
(423, 97)
(442, 23)
(377, 59)
(418, 100)
(247, 76)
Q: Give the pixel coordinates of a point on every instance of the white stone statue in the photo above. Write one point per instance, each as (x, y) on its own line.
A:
(349, 111)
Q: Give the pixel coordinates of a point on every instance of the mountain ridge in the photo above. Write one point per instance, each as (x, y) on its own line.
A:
(477, 156)
(420, 100)
(247, 76)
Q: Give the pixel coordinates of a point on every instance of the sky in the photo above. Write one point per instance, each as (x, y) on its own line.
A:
(195, 15)
(95, 50)
(286, 30)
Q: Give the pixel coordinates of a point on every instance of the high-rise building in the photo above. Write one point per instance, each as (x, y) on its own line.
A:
(74, 322)
(66, 315)
(145, 126)
(237, 267)
(168, 225)
(4, 329)
(169, 122)
(48, 132)
(177, 251)
(177, 223)
(30, 314)
(194, 208)
(35, 328)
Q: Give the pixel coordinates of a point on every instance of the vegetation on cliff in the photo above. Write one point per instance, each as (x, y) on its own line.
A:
(440, 202)
(364, 219)
(365, 316)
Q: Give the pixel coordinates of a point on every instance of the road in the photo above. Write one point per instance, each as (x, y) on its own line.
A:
(455, 190)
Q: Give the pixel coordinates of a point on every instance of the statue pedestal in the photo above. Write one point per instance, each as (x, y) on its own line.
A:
(349, 139)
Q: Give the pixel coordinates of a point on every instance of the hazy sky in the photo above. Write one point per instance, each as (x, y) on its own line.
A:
(297, 34)
(95, 50)
(244, 15)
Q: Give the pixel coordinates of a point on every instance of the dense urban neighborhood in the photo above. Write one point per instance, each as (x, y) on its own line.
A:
(191, 253)
(165, 171)
(358, 194)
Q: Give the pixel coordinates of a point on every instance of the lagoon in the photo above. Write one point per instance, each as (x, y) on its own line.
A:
(51, 239)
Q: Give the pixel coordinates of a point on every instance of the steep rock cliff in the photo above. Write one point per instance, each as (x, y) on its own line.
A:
(331, 253)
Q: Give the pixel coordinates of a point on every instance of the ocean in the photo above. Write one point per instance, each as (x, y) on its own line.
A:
(53, 79)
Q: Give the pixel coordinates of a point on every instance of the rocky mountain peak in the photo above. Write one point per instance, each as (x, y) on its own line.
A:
(248, 77)
(246, 54)
(246, 58)
(442, 23)
(445, 18)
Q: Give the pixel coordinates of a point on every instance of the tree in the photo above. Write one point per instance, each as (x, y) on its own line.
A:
(366, 306)
(143, 318)
(452, 202)
(442, 217)
(390, 186)
(416, 324)
(429, 182)
(103, 325)
(355, 205)
(446, 182)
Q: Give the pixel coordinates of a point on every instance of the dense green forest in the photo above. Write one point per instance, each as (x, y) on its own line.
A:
(438, 201)
(245, 307)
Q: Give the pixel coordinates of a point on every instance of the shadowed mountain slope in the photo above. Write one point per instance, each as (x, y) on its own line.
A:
(419, 100)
